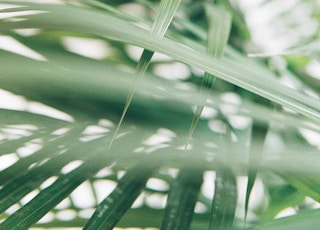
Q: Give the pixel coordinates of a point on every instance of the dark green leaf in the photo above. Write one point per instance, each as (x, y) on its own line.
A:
(225, 200)
(182, 199)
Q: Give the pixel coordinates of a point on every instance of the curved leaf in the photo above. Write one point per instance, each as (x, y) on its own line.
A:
(265, 86)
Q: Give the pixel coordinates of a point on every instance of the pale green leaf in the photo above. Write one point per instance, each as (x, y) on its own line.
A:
(263, 85)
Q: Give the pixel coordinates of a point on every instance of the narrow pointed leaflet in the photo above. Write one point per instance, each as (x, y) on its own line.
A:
(258, 135)
(162, 21)
(219, 23)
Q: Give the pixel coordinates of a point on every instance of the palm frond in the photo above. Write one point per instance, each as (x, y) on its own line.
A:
(60, 106)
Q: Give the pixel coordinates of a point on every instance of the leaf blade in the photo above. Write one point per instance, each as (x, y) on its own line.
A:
(224, 69)
(181, 200)
(224, 202)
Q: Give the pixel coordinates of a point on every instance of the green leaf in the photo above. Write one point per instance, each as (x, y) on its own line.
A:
(22, 165)
(111, 209)
(309, 49)
(263, 85)
(14, 117)
(182, 199)
(304, 220)
(219, 24)
(11, 145)
(141, 69)
(48, 198)
(91, 93)
(16, 188)
(299, 170)
(281, 197)
(225, 200)
(165, 13)
(307, 184)
(255, 158)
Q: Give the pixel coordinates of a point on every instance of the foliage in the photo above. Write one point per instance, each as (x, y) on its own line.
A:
(67, 162)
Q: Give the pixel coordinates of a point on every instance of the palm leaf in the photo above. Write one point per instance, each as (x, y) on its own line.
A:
(111, 210)
(225, 200)
(224, 69)
(47, 160)
(182, 200)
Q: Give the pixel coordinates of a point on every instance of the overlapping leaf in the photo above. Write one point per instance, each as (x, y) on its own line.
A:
(265, 86)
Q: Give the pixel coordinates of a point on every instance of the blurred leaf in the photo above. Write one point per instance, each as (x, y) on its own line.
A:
(309, 185)
(310, 49)
(48, 198)
(16, 188)
(304, 220)
(89, 94)
(165, 14)
(299, 170)
(282, 197)
(255, 158)
(263, 85)
(14, 117)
